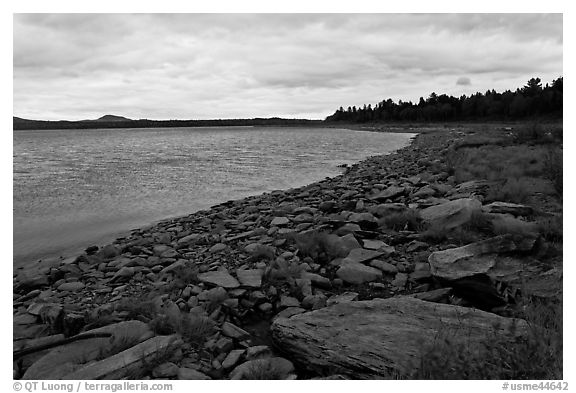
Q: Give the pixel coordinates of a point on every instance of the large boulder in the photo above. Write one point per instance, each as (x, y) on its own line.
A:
(67, 358)
(130, 362)
(476, 270)
(477, 258)
(451, 214)
(383, 337)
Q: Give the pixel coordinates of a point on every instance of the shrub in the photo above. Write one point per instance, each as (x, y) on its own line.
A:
(553, 168)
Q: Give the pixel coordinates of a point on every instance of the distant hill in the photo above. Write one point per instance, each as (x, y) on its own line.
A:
(108, 118)
(112, 121)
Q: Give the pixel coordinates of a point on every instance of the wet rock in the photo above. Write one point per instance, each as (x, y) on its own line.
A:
(343, 338)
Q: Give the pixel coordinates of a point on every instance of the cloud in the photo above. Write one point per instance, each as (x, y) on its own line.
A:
(463, 81)
(79, 66)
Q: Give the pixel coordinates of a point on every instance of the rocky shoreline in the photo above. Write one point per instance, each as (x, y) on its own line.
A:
(343, 278)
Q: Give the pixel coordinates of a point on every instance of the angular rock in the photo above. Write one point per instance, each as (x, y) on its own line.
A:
(451, 214)
(389, 193)
(508, 208)
(356, 273)
(233, 331)
(344, 297)
(217, 248)
(290, 311)
(381, 337)
(233, 358)
(219, 278)
(477, 258)
(386, 267)
(71, 286)
(361, 255)
(250, 278)
(436, 295)
(279, 221)
(341, 246)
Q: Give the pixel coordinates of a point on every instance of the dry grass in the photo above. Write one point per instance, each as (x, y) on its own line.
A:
(406, 220)
(537, 356)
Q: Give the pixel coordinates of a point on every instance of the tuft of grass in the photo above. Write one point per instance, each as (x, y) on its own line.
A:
(506, 225)
(264, 371)
(316, 245)
(263, 252)
(551, 228)
(139, 309)
(536, 356)
(194, 328)
(406, 220)
(514, 190)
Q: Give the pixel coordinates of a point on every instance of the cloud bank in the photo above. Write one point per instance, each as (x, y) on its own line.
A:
(203, 66)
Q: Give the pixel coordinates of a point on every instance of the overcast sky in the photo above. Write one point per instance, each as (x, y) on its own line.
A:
(204, 66)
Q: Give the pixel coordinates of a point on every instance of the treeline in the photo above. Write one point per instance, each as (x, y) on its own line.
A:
(24, 124)
(530, 101)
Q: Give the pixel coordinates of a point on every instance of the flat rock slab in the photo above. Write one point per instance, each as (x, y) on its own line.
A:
(67, 358)
(279, 221)
(129, 361)
(219, 278)
(476, 258)
(389, 193)
(508, 208)
(356, 273)
(451, 214)
(382, 337)
(71, 286)
(361, 255)
(250, 278)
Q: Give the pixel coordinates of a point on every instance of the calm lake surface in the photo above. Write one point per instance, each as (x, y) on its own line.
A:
(76, 188)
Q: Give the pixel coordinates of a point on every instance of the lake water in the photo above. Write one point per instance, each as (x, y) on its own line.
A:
(76, 188)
